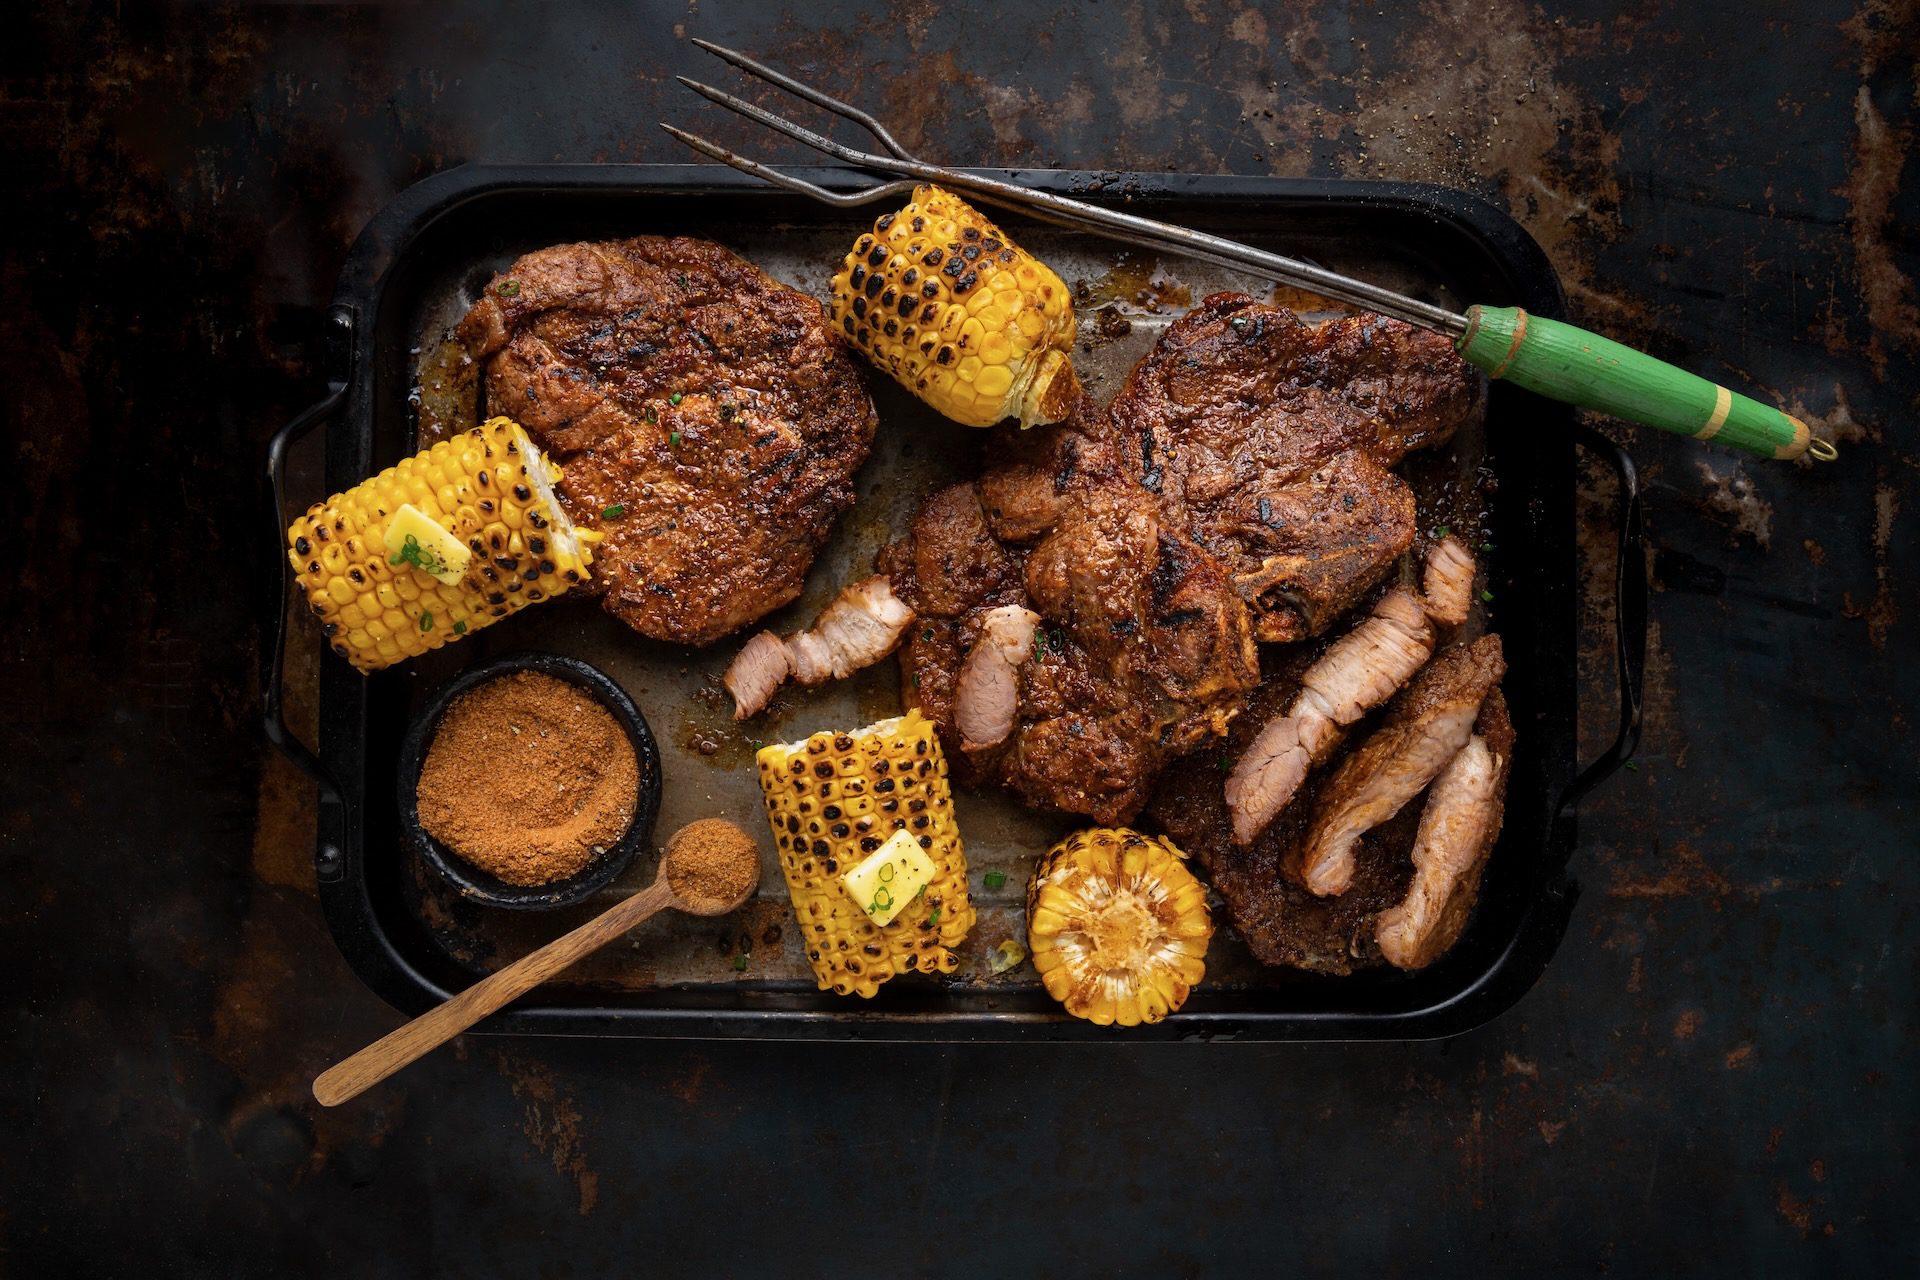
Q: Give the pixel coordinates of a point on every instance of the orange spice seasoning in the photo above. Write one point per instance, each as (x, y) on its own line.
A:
(710, 863)
(529, 779)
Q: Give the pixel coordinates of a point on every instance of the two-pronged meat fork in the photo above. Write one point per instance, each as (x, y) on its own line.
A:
(1554, 359)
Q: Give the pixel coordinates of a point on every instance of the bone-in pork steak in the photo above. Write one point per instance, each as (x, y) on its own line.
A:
(1276, 436)
(1136, 647)
(708, 419)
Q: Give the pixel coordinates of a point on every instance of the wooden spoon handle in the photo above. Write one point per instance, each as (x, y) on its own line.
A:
(435, 1027)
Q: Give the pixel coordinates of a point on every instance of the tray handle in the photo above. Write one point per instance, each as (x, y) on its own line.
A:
(328, 860)
(1629, 622)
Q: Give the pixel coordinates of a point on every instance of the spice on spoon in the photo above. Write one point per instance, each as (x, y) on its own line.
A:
(711, 863)
(529, 779)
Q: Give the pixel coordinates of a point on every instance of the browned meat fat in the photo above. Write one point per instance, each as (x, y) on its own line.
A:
(1275, 437)
(1429, 723)
(708, 419)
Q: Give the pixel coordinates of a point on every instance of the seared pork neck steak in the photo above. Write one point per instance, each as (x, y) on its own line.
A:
(1136, 647)
(708, 419)
(1275, 436)
(1282, 922)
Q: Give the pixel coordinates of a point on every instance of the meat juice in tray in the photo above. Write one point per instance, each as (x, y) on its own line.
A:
(1148, 739)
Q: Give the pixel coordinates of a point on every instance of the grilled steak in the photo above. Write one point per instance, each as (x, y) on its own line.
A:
(1276, 436)
(1281, 922)
(1140, 648)
(708, 419)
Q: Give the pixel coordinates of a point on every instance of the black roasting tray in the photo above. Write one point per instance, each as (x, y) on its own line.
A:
(415, 941)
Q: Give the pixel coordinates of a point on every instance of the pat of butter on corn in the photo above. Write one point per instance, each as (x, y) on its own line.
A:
(416, 538)
(890, 877)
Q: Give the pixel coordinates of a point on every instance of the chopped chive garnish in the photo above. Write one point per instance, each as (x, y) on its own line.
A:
(675, 398)
(651, 416)
(933, 917)
(739, 963)
(1443, 530)
(994, 879)
(1486, 546)
(508, 288)
(1486, 597)
(613, 512)
(927, 634)
(916, 682)
(674, 438)
(426, 620)
(459, 628)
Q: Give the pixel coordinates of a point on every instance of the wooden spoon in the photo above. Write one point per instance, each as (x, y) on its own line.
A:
(350, 1078)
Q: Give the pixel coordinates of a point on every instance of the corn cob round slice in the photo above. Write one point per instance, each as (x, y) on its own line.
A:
(834, 798)
(958, 314)
(493, 489)
(1118, 926)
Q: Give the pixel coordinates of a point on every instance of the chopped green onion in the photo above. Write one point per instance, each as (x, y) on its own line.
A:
(1486, 546)
(886, 871)
(508, 288)
(613, 512)
(1633, 765)
(1443, 530)
(933, 917)
(675, 398)
(739, 963)
(1486, 597)
(459, 628)
(994, 879)
(674, 438)
(426, 620)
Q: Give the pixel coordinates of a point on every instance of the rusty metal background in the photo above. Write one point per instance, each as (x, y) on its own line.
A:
(1718, 1073)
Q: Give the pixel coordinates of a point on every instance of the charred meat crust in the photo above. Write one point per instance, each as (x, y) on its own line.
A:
(1275, 436)
(708, 419)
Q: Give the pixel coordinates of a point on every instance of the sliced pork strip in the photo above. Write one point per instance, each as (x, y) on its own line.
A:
(861, 625)
(1447, 587)
(1361, 670)
(987, 696)
(1428, 725)
(1456, 827)
(756, 671)
(1368, 665)
(1272, 768)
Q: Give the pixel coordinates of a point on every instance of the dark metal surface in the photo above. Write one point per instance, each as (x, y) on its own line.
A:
(1718, 1072)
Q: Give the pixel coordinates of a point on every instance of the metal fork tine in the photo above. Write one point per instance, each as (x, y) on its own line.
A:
(1126, 227)
(807, 91)
(843, 199)
(798, 133)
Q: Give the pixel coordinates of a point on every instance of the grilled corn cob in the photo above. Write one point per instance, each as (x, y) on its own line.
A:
(493, 490)
(958, 314)
(835, 798)
(1118, 926)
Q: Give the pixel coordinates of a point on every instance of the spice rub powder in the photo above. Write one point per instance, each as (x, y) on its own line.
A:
(528, 778)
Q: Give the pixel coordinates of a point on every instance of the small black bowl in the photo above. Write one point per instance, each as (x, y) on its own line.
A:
(476, 884)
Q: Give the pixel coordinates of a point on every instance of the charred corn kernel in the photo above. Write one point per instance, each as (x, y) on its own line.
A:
(380, 602)
(1117, 925)
(833, 800)
(942, 300)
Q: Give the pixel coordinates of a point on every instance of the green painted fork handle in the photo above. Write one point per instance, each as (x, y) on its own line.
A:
(1564, 362)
